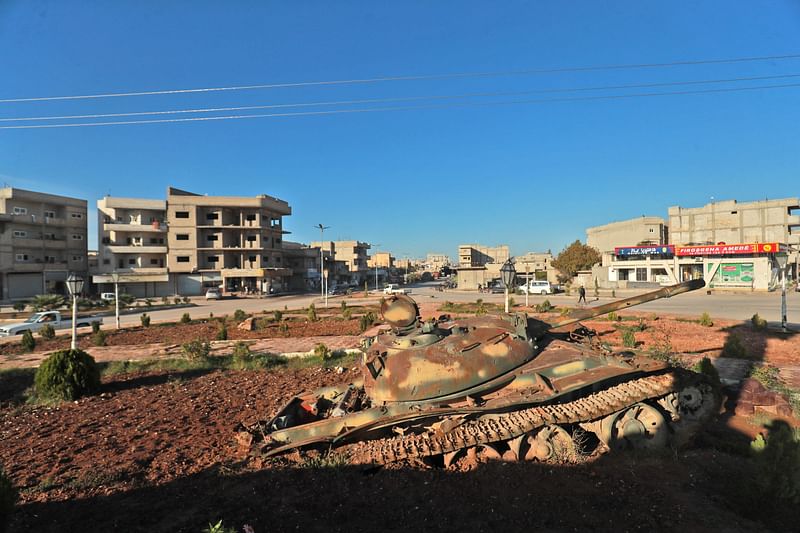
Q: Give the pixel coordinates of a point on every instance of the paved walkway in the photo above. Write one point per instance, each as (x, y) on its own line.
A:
(292, 347)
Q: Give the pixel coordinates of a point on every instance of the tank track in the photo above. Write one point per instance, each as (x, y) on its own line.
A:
(501, 427)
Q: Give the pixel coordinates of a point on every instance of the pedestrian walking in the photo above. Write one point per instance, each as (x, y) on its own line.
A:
(581, 295)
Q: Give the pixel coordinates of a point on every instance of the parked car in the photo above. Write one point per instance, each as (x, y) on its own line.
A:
(108, 296)
(537, 287)
(391, 288)
(38, 320)
(337, 289)
(495, 287)
(213, 294)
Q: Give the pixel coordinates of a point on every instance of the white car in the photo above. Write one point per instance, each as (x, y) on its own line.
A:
(107, 297)
(395, 289)
(537, 287)
(213, 294)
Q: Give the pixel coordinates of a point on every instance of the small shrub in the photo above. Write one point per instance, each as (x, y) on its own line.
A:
(629, 338)
(343, 305)
(322, 351)
(544, 307)
(734, 347)
(196, 350)
(239, 315)
(28, 342)
(19, 306)
(185, 318)
(241, 351)
(641, 325)
(67, 375)
(366, 290)
(596, 288)
(277, 316)
(148, 302)
(8, 497)
(612, 317)
(511, 302)
(613, 293)
(222, 334)
(758, 322)
(186, 300)
(47, 332)
(284, 328)
(47, 302)
(312, 313)
(99, 338)
(704, 366)
(95, 327)
(218, 528)
(777, 461)
(177, 300)
(564, 311)
(705, 320)
(145, 320)
(347, 314)
(366, 321)
(164, 300)
(480, 308)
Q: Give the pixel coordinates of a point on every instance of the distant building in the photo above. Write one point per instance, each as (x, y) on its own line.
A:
(479, 265)
(43, 237)
(633, 232)
(381, 260)
(436, 262)
(537, 265)
(304, 262)
(350, 261)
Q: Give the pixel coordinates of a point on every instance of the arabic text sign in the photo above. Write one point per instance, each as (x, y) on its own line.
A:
(729, 249)
(644, 250)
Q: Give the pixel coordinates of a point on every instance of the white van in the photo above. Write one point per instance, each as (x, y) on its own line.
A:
(537, 287)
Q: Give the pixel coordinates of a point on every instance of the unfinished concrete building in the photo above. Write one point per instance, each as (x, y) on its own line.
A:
(634, 232)
(43, 237)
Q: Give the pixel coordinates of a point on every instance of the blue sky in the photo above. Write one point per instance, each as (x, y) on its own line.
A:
(533, 176)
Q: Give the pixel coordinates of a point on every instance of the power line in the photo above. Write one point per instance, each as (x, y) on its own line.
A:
(400, 108)
(525, 72)
(399, 99)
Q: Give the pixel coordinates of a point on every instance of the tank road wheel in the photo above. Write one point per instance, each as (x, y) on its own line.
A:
(688, 409)
(640, 426)
(552, 444)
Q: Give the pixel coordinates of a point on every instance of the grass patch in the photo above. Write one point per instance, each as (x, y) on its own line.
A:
(769, 376)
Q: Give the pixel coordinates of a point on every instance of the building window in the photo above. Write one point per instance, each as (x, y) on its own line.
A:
(49, 259)
(76, 215)
(21, 234)
(182, 237)
(250, 218)
(213, 259)
(76, 237)
(153, 261)
(252, 259)
(49, 236)
(265, 259)
(641, 274)
(49, 214)
(153, 241)
(20, 210)
(181, 214)
(183, 259)
(212, 216)
(277, 259)
(131, 261)
(213, 237)
(106, 261)
(251, 238)
(651, 230)
(22, 257)
(76, 258)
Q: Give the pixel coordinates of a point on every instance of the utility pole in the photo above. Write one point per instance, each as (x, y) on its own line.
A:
(115, 279)
(376, 266)
(321, 258)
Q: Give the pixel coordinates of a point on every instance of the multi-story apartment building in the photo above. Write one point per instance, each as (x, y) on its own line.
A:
(132, 235)
(479, 265)
(229, 241)
(43, 237)
(536, 265)
(381, 260)
(350, 258)
(304, 262)
(634, 232)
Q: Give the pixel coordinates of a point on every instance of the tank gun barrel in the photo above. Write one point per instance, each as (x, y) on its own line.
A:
(665, 292)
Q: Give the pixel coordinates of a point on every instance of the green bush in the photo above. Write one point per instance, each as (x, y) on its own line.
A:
(186, 300)
(20, 306)
(641, 325)
(148, 302)
(241, 350)
(544, 307)
(612, 316)
(312, 313)
(145, 320)
(196, 350)
(177, 300)
(284, 328)
(629, 338)
(95, 327)
(613, 293)
(99, 338)
(8, 497)
(164, 300)
(734, 347)
(239, 315)
(347, 314)
(511, 302)
(343, 305)
(28, 342)
(47, 302)
(222, 334)
(480, 307)
(705, 320)
(67, 375)
(277, 316)
(758, 322)
(322, 351)
(704, 366)
(366, 321)
(47, 332)
(185, 318)
(777, 461)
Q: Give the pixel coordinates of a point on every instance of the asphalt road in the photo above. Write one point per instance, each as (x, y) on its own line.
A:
(737, 306)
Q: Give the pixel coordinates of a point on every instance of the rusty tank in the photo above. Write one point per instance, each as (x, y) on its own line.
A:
(506, 386)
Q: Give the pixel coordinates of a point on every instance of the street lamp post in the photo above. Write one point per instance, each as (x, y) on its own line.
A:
(527, 284)
(75, 286)
(115, 279)
(507, 271)
(376, 266)
(782, 260)
(321, 258)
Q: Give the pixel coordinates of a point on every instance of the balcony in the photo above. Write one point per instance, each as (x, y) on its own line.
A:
(136, 249)
(138, 228)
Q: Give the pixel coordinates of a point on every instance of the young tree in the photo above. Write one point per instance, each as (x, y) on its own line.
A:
(577, 256)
